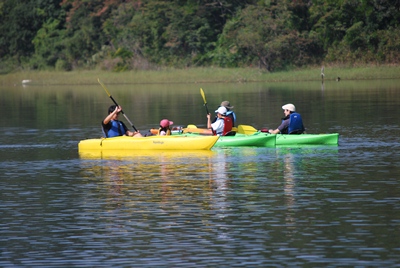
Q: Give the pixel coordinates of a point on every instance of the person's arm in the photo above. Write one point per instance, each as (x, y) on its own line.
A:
(110, 116)
(274, 131)
(280, 128)
(133, 133)
(208, 120)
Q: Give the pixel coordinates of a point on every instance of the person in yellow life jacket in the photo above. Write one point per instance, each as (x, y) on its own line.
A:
(165, 129)
(112, 127)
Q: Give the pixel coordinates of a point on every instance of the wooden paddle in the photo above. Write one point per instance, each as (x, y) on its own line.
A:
(127, 119)
(246, 129)
(204, 99)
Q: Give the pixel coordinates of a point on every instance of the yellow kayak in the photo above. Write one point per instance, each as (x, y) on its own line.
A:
(170, 155)
(149, 143)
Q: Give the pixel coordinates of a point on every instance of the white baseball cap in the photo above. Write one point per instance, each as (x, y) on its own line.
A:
(221, 110)
(289, 107)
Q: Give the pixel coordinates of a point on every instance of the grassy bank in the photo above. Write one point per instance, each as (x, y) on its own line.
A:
(200, 75)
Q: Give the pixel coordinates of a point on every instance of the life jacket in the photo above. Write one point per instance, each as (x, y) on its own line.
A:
(227, 131)
(228, 124)
(232, 115)
(295, 124)
(117, 129)
(167, 131)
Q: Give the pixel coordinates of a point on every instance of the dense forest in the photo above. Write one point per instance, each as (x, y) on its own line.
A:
(123, 35)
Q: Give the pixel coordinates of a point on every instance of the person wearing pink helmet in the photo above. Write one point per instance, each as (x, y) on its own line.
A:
(165, 129)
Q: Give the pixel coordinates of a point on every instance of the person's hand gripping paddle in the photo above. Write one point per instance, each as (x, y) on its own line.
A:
(127, 119)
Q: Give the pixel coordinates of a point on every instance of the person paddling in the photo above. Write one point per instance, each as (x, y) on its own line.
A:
(112, 127)
(292, 123)
(223, 125)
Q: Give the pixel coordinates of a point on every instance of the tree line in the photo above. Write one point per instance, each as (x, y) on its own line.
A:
(124, 35)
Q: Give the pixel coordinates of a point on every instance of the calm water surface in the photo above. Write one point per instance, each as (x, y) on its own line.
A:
(314, 206)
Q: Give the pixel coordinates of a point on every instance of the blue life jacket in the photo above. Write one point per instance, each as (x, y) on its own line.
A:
(117, 129)
(232, 115)
(295, 124)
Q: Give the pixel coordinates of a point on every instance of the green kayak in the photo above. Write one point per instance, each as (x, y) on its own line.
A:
(249, 136)
(296, 139)
(246, 140)
(239, 140)
(310, 139)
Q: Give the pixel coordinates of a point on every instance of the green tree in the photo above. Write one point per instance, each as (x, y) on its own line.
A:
(349, 29)
(269, 36)
(170, 32)
(121, 35)
(19, 23)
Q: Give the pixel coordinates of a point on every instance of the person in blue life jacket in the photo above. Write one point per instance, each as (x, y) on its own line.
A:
(292, 123)
(229, 112)
(112, 127)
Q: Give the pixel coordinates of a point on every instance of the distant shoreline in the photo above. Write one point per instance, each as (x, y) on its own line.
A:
(200, 76)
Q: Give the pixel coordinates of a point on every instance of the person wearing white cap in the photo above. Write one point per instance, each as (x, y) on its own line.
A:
(291, 123)
(229, 112)
(165, 127)
(219, 125)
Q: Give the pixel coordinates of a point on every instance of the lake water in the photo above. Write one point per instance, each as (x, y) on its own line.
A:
(310, 206)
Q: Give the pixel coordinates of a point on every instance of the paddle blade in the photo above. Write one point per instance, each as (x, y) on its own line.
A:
(108, 93)
(204, 99)
(191, 126)
(246, 129)
(203, 95)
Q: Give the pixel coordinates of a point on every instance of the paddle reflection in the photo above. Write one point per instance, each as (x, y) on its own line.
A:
(219, 190)
(296, 162)
(289, 190)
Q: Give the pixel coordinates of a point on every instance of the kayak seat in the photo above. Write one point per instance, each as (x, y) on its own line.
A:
(230, 133)
(297, 131)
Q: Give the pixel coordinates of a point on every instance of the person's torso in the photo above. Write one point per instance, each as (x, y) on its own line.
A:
(115, 128)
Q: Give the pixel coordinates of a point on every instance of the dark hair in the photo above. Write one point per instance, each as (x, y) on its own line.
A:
(112, 108)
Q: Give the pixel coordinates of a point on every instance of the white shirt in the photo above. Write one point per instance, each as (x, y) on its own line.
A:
(218, 126)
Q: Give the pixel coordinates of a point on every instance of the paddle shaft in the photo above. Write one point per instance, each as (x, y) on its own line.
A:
(115, 102)
(204, 99)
